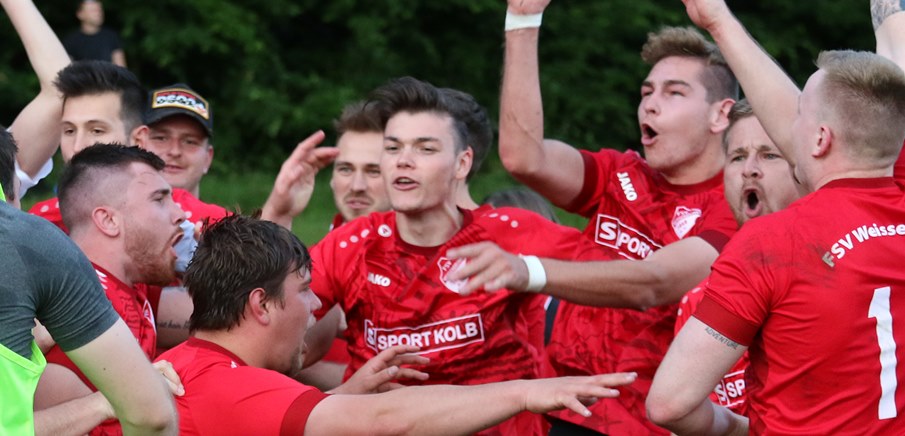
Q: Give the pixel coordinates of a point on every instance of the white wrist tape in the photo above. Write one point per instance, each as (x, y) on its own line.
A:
(514, 21)
(537, 276)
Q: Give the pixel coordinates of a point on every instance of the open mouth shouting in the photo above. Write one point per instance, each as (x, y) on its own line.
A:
(648, 134)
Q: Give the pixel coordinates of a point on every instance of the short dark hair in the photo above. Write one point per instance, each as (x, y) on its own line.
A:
(235, 256)
(687, 42)
(408, 94)
(360, 116)
(80, 185)
(480, 131)
(8, 150)
(740, 110)
(91, 77)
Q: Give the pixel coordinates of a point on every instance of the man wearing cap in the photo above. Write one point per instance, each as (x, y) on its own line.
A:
(181, 125)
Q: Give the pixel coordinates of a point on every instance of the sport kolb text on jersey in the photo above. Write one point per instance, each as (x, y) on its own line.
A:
(432, 337)
(627, 240)
(859, 235)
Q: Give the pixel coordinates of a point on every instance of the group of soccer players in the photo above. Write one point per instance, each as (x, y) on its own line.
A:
(675, 321)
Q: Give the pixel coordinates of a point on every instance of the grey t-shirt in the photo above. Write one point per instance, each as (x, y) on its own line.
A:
(44, 275)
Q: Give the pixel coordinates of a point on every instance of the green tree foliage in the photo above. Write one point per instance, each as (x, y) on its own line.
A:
(275, 70)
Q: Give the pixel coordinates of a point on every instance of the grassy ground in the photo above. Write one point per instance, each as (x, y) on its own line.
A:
(246, 190)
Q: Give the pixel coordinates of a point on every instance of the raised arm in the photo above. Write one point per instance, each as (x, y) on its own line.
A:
(889, 28)
(772, 94)
(36, 128)
(662, 278)
(552, 168)
(456, 409)
(117, 366)
(295, 182)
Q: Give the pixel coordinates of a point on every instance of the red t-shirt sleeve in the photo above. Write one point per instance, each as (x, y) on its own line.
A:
(298, 412)
(744, 283)
(597, 167)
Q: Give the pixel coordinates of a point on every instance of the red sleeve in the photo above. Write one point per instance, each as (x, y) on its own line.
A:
(597, 167)
(298, 412)
(745, 281)
(524, 232)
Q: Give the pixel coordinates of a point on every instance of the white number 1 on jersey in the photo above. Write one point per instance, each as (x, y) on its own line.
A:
(879, 308)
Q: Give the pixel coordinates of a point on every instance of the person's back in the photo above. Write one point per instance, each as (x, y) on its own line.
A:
(827, 269)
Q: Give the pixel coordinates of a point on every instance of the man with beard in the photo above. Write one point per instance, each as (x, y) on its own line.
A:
(757, 181)
(120, 212)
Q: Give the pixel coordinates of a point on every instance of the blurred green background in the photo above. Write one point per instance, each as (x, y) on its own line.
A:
(276, 70)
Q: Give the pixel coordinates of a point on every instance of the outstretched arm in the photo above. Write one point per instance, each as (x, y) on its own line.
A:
(678, 398)
(662, 278)
(772, 94)
(552, 168)
(295, 183)
(37, 127)
(457, 409)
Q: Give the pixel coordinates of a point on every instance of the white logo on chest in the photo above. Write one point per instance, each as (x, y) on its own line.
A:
(684, 219)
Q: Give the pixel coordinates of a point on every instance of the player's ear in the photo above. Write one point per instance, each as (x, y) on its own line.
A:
(107, 220)
(139, 136)
(825, 140)
(258, 306)
(719, 116)
(464, 161)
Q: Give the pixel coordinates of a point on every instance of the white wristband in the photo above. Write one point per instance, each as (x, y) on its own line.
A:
(514, 21)
(537, 276)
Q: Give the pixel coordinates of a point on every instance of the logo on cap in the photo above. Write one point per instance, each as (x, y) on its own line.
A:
(181, 99)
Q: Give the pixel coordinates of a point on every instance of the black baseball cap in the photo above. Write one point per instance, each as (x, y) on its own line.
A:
(179, 99)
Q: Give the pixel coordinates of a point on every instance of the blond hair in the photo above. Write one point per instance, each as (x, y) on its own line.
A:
(865, 94)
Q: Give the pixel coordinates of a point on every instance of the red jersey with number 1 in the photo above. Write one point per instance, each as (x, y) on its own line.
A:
(396, 293)
(633, 211)
(817, 292)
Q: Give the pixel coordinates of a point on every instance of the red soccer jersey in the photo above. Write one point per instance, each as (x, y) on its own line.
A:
(633, 211)
(223, 395)
(134, 306)
(817, 292)
(395, 293)
(195, 209)
(731, 390)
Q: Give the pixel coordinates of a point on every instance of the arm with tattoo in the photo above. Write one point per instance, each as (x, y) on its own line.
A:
(882, 9)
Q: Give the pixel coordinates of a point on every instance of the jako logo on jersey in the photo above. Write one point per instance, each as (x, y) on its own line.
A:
(436, 336)
(378, 279)
(384, 230)
(627, 186)
(731, 390)
(448, 266)
(628, 241)
(684, 219)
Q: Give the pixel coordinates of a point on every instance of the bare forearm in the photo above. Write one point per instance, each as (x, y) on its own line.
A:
(889, 27)
(772, 94)
(618, 283)
(44, 49)
(880, 10)
(76, 417)
(36, 127)
(521, 107)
